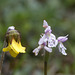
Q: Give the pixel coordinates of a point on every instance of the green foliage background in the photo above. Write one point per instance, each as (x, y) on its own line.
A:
(27, 16)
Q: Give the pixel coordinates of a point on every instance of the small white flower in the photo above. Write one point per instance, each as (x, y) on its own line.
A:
(36, 50)
(52, 42)
(61, 46)
(62, 49)
(45, 24)
(62, 38)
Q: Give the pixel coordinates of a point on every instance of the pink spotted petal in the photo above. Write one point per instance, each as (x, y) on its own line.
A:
(62, 49)
(62, 38)
(48, 49)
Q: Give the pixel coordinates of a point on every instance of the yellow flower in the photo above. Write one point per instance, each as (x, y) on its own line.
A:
(14, 48)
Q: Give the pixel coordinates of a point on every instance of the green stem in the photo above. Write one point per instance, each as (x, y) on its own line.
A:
(1, 61)
(46, 56)
(2, 57)
(45, 68)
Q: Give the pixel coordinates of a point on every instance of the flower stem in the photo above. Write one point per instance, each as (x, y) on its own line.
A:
(1, 61)
(46, 56)
(45, 68)
(2, 57)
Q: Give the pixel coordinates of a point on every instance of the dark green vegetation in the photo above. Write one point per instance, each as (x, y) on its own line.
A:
(27, 16)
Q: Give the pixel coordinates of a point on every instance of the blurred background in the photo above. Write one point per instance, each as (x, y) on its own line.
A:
(27, 16)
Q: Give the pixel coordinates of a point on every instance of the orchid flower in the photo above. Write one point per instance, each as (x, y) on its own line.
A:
(48, 36)
(47, 41)
(61, 47)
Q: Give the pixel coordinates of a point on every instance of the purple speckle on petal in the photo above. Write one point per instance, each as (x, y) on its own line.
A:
(44, 43)
(62, 38)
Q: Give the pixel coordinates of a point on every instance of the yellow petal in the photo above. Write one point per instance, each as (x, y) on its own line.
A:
(21, 49)
(13, 54)
(16, 47)
(6, 49)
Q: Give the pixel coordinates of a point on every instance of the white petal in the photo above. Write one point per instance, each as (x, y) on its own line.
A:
(36, 50)
(62, 49)
(48, 49)
(62, 38)
(52, 42)
(45, 24)
(42, 40)
(48, 29)
(11, 28)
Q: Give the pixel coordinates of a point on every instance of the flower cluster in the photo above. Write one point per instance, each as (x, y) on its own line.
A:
(48, 41)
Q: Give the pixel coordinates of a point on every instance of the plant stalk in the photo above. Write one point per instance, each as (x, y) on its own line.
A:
(45, 68)
(2, 58)
(46, 56)
(1, 61)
